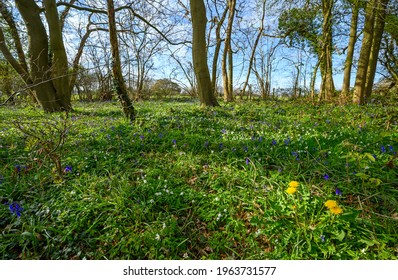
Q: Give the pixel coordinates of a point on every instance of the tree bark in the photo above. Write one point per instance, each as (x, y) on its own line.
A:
(59, 62)
(199, 53)
(327, 86)
(380, 16)
(227, 59)
(119, 84)
(40, 65)
(217, 50)
(350, 51)
(363, 62)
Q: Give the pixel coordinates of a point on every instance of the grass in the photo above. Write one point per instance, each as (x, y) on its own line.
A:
(192, 183)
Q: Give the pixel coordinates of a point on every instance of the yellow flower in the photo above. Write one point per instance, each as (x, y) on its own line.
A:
(331, 204)
(336, 210)
(293, 184)
(291, 190)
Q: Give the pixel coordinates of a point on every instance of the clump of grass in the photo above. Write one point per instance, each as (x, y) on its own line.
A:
(193, 183)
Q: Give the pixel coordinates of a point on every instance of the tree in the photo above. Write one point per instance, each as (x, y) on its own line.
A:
(373, 31)
(199, 53)
(303, 25)
(350, 49)
(227, 58)
(389, 50)
(119, 84)
(47, 63)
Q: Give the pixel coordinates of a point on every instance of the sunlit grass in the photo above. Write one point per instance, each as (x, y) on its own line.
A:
(192, 183)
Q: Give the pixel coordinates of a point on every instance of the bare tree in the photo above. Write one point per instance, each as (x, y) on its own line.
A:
(199, 53)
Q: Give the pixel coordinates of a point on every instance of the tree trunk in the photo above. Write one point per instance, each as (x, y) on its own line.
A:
(217, 50)
(253, 53)
(199, 53)
(380, 16)
(227, 59)
(59, 63)
(327, 86)
(363, 62)
(350, 52)
(40, 66)
(119, 85)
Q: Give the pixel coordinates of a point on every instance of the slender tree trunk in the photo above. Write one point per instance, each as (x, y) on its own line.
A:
(327, 88)
(259, 34)
(350, 51)
(363, 62)
(227, 59)
(312, 83)
(217, 50)
(119, 84)
(199, 53)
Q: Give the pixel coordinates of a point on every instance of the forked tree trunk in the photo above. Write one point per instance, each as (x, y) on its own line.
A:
(363, 62)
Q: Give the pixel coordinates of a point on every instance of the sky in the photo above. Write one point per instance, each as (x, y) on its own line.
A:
(283, 65)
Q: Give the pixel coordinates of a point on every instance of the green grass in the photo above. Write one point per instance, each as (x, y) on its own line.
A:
(190, 183)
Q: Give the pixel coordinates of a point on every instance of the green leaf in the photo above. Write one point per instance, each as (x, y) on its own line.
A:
(340, 236)
(370, 157)
(368, 242)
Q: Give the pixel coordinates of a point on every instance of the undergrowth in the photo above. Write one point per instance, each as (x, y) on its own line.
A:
(185, 182)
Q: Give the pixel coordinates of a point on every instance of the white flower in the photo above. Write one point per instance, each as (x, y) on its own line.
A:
(164, 225)
(218, 216)
(151, 201)
(158, 193)
(157, 237)
(216, 199)
(182, 193)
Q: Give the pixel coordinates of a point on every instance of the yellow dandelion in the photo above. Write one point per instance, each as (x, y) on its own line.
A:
(293, 184)
(336, 210)
(331, 204)
(291, 190)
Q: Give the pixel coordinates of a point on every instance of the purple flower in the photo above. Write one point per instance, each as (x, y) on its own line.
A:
(338, 191)
(223, 131)
(174, 142)
(206, 144)
(68, 169)
(383, 149)
(287, 141)
(391, 148)
(245, 149)
(142, 137)
(273, 142)
(296, 155)
(17, 168)
(326, 177)
(322, 237)
(247, 160)
(15, 208)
